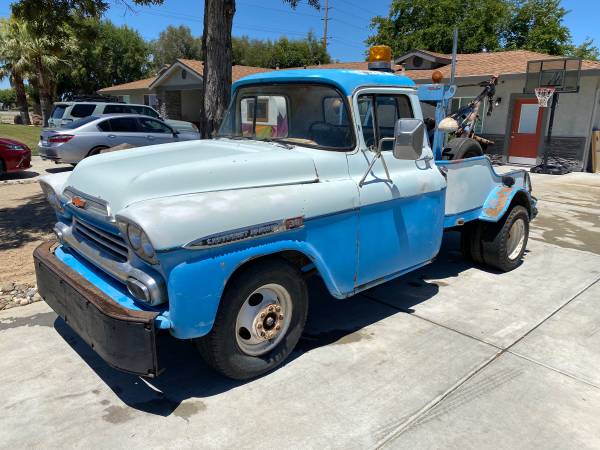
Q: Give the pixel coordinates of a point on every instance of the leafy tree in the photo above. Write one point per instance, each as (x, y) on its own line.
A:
(176, 42)
(218, 58)
(49, 27)
(537, 25)
(8, 96)
(282, 53)
(426, 24)
(105, 55)
(585, 50)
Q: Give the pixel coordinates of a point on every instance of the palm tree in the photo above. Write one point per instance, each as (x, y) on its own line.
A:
(36, 56)
(12, 64)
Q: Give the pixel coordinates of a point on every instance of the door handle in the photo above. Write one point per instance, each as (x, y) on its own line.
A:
(151, 138)
(112, 136)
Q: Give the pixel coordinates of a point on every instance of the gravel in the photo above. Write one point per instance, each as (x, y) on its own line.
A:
(17, 294)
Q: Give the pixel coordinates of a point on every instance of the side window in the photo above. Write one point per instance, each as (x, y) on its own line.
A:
(365, 111)
(113, 109)
(82, 110)
(154, 126)
(150, 112)
(123, 124)
(104, 126)
(388, 109)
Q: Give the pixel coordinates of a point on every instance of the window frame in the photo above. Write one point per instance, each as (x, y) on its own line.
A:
(152, 119)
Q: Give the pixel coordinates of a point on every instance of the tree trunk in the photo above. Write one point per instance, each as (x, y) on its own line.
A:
(21, 97)
(35, 96)
(46, 94)
(216, 43)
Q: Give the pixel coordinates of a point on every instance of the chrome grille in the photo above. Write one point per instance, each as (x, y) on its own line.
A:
(110, 243)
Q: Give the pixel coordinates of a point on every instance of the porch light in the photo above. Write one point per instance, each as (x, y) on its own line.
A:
(380, 58)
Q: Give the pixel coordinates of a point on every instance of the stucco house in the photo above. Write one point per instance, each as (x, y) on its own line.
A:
(577, 114)
(176, 91)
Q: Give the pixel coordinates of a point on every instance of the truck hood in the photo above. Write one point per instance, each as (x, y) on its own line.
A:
(125, 177)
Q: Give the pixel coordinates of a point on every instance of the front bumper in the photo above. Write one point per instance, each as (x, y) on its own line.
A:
(124, 338)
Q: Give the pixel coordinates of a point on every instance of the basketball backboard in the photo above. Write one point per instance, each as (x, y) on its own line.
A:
(560, 73)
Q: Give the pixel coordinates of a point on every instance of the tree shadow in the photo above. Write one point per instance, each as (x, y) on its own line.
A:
(24, 223)
(330, 321)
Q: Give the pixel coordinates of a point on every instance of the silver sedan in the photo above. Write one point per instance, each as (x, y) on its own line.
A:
(89, 136)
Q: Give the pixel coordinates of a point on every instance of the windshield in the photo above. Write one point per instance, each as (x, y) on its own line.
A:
(305, 114)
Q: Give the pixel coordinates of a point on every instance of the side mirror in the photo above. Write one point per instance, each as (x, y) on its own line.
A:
(408, 139)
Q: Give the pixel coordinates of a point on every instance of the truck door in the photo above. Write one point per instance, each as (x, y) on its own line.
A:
(401, 212)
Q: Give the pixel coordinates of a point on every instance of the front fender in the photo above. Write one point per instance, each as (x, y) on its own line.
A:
(195, 289)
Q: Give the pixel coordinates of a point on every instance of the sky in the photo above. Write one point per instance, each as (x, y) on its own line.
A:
(270, 19)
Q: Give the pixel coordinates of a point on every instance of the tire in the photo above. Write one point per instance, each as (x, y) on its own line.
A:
(504, 243)
(96, 150)
(233, 347)
(461, 148)
(470, 241)
(2, 169)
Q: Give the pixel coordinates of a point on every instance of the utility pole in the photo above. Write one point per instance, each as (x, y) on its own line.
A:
(325, 23)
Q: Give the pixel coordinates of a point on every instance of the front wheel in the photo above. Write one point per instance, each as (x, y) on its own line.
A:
(259, 321)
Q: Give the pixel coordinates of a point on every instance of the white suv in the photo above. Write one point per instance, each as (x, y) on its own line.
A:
(66, 112)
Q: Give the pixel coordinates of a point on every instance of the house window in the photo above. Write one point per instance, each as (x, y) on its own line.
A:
(151, 100)
(124, 98)
(461, 102)
(184, 74)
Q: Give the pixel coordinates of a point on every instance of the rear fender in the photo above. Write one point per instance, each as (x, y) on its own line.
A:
(500, 200)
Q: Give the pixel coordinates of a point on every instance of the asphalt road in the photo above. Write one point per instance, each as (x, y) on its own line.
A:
(450, 356)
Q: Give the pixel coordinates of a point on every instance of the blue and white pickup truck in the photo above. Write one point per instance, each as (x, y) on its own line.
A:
(326, 172)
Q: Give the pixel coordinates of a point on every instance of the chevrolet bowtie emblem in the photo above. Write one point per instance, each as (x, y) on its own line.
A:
(78, 202)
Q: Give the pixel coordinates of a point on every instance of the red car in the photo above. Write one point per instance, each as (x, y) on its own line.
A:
(14, 156)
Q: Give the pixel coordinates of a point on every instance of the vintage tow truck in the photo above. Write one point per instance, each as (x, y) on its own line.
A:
(326, 172)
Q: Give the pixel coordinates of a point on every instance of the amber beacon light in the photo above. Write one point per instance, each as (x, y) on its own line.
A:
(380, 58)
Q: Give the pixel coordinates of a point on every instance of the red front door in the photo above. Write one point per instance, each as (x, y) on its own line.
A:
(525, 129)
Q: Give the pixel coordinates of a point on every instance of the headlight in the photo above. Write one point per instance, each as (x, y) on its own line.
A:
(52, 197)
(14, 147)
(140, 243)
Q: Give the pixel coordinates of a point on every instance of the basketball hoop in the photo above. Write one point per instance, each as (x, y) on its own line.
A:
(544, 94)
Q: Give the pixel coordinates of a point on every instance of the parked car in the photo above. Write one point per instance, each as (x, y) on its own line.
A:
(14, 156)
(88, 136)
(64, 113)
(323, 172)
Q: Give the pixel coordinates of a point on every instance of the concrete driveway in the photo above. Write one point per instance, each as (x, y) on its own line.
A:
(451, 356)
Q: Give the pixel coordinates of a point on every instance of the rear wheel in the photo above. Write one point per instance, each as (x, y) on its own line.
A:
(259, 321)
(461, 148)
(500, 245)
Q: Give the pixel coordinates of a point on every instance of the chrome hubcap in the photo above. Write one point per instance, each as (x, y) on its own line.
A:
(516, 239)
(263, 319)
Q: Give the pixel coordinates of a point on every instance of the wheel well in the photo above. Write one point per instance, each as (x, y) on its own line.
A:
(520, 199)
(98, 148)
(295, 258)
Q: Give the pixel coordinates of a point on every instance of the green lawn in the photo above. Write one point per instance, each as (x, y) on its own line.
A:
(23, 133)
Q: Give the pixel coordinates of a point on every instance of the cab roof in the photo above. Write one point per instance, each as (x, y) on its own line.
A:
(345, 80)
